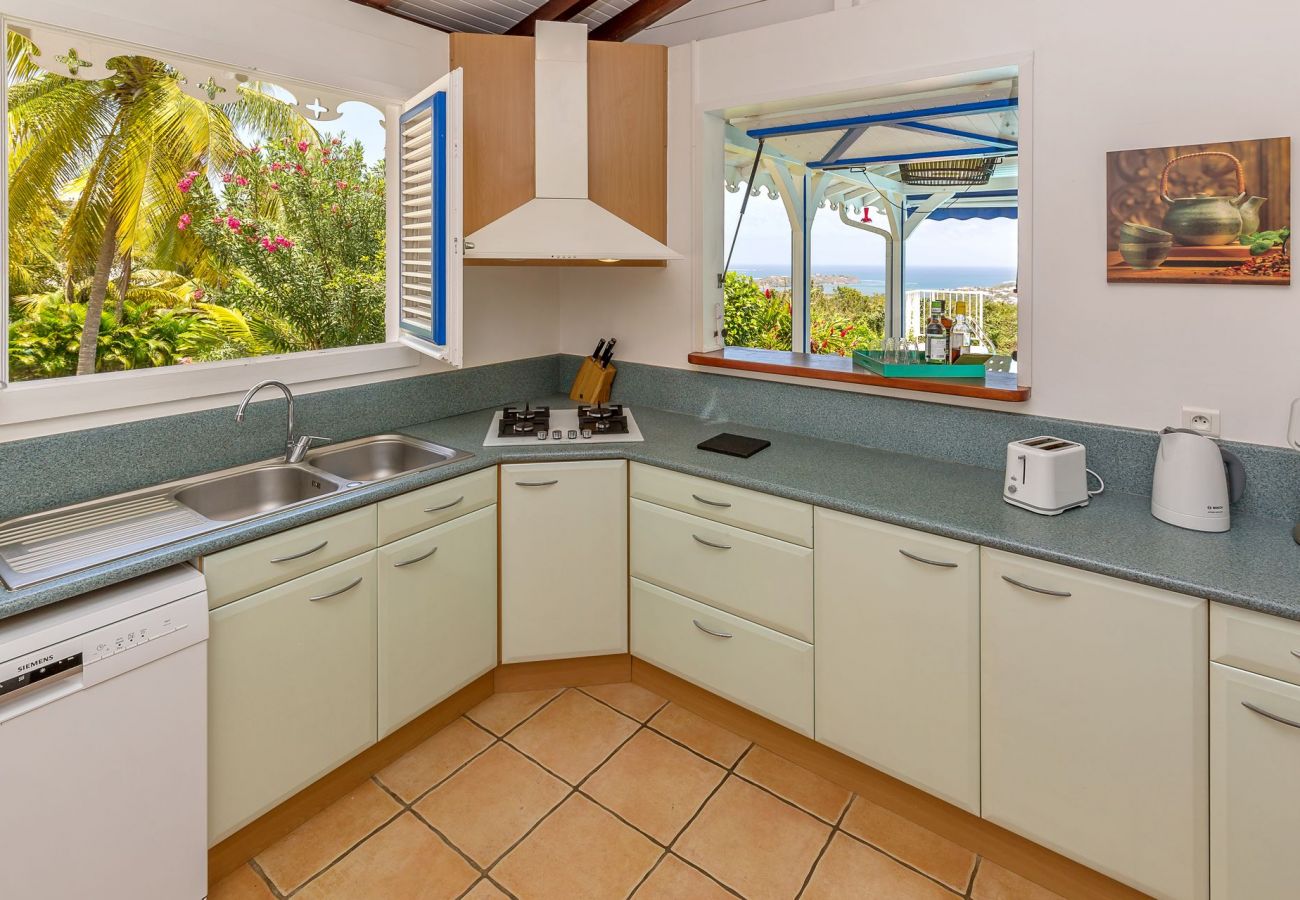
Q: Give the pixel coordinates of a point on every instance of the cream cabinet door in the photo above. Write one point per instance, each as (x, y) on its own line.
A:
(291, 689)
(437, 615)
(1095, 721)
(897, 639)
(1254, 786)
(563, 560)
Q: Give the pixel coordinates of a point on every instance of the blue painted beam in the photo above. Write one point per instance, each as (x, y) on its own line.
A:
(908, 157)
(985, 139)
(908, 115)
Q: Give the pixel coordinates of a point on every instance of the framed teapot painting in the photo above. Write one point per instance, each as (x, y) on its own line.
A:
(1200, 214)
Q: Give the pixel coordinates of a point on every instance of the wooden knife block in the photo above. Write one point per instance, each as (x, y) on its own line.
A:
(592, 383)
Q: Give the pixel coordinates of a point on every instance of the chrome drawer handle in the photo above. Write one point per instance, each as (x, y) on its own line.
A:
(292, 557)
(433, 509)
(711, 544)
(1268, 715)
(1037, 590)
(538, 483)
(342, 590)
(717, 503)
(1296, 653)
(718, 634)
(411, 562)
(928, 562)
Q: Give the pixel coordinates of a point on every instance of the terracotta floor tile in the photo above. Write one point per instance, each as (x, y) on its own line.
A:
(850, 869)
(573, 735)
(673, 879)
(492, 802)
(435, 759)
(326, 836)
(752, 842)
(993, 882)
(501, 712)
(628, 698)
(822, 798)
(403, 861)
(654, 784)
(702, 736)
(241, 884)
(919, 847)
(580, 851)
(486, 890)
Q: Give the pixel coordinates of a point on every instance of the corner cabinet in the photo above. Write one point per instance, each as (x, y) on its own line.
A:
(563, 560)
(898, 664)
(1095, 721)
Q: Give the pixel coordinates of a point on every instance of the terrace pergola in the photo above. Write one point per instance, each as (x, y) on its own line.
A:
(852, 156)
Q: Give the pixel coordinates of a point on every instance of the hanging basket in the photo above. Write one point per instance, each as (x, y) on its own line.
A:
(949, 172)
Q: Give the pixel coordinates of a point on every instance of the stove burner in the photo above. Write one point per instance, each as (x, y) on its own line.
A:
(602, 419)
(517, 422)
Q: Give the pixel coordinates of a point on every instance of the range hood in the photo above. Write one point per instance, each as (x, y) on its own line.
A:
(562, 222)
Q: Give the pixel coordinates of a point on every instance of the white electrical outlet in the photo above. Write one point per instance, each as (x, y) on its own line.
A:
(1202, 421)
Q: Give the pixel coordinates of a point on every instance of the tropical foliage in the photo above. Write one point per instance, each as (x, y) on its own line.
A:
(114, 259)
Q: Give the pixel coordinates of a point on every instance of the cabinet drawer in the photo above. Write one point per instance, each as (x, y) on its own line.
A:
(787, 520)
(258, 565)
(769, 672)
(438, 503)
(1254, 786)
(1255, 641)
(762, 579)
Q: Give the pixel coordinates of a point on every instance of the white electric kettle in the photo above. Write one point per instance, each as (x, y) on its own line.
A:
(1195, 481)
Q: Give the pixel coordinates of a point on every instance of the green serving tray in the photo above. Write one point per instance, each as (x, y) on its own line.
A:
(870, 359)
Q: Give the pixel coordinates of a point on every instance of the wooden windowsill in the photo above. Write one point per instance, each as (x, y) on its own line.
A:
(993, 386)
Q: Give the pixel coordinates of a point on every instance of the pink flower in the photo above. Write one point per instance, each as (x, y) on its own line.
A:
(198, 294)
(269, 245)
(275, 167)
(334, 208)
(275, 185)
(283, 241)
(185, 184)
(325, 151)
(302, 146)
(256, 148)
(227, 178)
(241, 180)
(233, 223)
(186, 360)
(217, 220)
(335, 141)
(183, 222)
(297, 167)
(191, 175)
(341, 185)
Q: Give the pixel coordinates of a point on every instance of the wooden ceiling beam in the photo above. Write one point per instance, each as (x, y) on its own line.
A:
(550, 11)
(636, 18)
(385, 6)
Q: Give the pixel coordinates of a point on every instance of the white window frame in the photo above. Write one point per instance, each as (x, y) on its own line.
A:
(60, 404)
(708, 128)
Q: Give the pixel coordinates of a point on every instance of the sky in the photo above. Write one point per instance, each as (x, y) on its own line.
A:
(765, 239)
(357, 120)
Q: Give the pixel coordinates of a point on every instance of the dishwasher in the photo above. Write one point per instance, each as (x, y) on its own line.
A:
(103, 743)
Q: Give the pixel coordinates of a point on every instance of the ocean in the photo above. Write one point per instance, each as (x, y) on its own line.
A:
(871, 279)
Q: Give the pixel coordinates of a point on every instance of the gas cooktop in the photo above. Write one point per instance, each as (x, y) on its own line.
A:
(596, 424)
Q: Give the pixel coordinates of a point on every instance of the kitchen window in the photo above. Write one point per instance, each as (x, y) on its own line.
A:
(845, 218)
(170, 213)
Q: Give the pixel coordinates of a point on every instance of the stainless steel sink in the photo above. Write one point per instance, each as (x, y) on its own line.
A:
(377, 458)
(255, 492)
(46, 545)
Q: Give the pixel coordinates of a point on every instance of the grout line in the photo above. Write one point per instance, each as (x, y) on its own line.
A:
(450, 775)
(902, 862)
(655, 712)
(975, 870)
(807, 880)
(646, 877)
(686, 862)
(348, 852)
(558, 694)
(446, 840)
(257, 869)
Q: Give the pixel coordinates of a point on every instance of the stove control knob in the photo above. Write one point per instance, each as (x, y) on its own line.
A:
(573, 435)
(586, 433)
(541, 435)
(557, 434)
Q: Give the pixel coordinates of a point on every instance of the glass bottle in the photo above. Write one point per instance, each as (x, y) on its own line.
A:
(936, 336)
(959, 337)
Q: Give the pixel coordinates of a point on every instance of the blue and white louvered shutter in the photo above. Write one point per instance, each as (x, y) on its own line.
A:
(431, 251)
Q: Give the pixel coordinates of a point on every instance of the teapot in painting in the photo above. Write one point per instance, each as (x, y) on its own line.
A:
(1205, 220)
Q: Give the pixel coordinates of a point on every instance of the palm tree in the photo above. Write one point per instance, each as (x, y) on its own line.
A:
(116, 149)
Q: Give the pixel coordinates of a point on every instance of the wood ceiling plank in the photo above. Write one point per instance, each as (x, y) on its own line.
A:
(550, 11)
(636, 18)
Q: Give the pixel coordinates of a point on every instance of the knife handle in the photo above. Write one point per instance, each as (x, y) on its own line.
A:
(599, 347)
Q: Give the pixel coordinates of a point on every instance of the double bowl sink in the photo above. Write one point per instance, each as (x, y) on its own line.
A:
(61, 541)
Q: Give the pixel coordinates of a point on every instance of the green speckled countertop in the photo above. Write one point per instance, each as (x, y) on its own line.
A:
(1256, 565)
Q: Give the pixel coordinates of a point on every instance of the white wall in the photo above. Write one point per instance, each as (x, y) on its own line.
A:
(1108, 75)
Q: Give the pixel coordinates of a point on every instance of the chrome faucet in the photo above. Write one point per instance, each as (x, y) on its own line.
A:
(294, 448)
